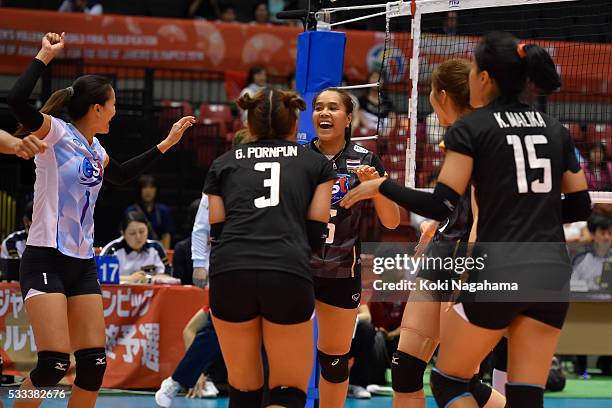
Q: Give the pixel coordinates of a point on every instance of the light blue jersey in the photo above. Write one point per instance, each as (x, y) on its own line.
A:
(68, 178)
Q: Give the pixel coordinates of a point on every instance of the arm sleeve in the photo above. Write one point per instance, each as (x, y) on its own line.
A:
(569, 152)
(460, 140)
(200, 250)
(18, 96)
(122, 173)
(437, 205)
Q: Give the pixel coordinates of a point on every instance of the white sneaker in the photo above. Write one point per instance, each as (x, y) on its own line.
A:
(166, 393)
(376, 389)
(209, 391)
(358, 392)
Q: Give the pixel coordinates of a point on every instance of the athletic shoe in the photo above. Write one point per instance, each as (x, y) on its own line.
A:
(209, 391)
(358, 392)
(376, 389)
(166, 393)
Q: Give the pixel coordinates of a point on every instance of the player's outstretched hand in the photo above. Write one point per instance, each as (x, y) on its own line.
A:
(29, 146)
(364, 191)
(176, 133)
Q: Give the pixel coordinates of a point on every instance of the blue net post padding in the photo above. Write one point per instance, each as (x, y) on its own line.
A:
(320, 63)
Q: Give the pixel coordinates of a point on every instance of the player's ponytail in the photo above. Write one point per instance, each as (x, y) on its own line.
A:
(540, 69)
(54, 106)
(292, 101)
(511, 64)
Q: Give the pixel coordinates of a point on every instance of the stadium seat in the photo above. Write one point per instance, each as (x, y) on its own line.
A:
(216, 112)
(171, 111)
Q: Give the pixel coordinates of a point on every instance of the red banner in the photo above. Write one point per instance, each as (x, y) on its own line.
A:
(166, 43)
(144, 325)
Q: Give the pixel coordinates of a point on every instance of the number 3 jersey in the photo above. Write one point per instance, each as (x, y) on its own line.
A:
(68, 178)
(267, 187)
(340, 256)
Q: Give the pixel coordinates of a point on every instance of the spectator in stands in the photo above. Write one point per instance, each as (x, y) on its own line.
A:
(93, 7)
(450, 26)
(158, 217)
(590, 264)
(139, 258)
(599, 169)
(206, 9)
(257, 80)
(14, 244)
(228, 13)
(182, 267)
(373, 107)
(261, 14)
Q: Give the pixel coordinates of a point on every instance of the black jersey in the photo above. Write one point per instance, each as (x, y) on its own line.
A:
(520, 156)
(341, 253)
(267, 187)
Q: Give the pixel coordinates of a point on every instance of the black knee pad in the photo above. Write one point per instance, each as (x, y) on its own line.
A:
(334, 369)
(447, 389)
(524, 396)
(50, 369)
(287, 397)
(90, 367)
(245, 399)
(407, 372)
(480, 391)
(500, 355)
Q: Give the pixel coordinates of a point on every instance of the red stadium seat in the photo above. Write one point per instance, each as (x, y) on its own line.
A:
(216, 111)
(171, 111)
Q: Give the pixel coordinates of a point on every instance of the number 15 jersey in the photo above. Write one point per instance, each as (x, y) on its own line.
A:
(267, 187)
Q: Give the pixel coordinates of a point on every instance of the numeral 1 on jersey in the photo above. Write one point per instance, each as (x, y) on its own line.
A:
(273, 183)
(537, 186)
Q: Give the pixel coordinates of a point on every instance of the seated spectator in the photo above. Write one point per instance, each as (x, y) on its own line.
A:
(228, 13)
(205, 9)
(589, 265)
(598, 170)
(182, 266)
(257, 80)
(139, 258)
(157, 216)
(14, 244)
(373, 107)
(93, 7)
(261, 14)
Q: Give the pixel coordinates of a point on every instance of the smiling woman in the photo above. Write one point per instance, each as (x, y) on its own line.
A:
(65, 307)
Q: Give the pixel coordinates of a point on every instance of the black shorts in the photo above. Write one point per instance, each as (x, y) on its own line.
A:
(499, 315)
(47, 270)
(344, 293)
(279, 297)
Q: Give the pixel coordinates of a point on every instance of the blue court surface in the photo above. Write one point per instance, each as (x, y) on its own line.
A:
(180, 402)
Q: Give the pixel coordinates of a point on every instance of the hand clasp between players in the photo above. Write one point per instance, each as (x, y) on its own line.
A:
(364, 191)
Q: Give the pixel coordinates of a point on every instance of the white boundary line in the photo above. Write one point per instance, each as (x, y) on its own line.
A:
(359, 138)
(372, 85)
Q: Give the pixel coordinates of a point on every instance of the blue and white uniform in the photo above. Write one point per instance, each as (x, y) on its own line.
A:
(68, 179)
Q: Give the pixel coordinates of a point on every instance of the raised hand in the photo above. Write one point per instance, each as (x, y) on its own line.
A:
(365, 173)
(366, 190)
(52, 45)
(176, 133)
